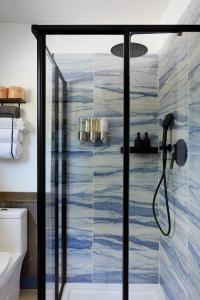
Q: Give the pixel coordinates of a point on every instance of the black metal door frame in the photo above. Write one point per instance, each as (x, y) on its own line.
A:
(40, 32)
(64, 187)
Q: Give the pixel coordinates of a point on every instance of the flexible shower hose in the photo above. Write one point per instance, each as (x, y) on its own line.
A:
(163, 178)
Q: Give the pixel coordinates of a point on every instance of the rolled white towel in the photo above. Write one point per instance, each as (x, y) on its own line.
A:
(5, 136)
(5, 151)
(6, 123)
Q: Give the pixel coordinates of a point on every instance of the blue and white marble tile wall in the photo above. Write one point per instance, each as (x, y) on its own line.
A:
(193, 160)
(95, 173)
(179, 93)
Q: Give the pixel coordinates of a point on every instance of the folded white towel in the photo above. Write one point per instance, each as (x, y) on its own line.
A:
(6, 123)
(5, 151)
(5, 136)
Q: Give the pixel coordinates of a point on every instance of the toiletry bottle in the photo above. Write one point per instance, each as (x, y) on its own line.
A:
(98, 120)
(82, 130)
(146, 141)
(104, 130)
(93, 130)
(138, 141)
(87, 129)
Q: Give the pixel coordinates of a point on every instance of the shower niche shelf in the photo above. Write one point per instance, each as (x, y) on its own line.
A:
(141, 150)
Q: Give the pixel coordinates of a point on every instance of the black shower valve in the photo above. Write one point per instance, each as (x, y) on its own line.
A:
(180, 153)
(173, 159)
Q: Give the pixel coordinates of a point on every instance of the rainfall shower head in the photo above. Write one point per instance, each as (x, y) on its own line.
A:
(136, 50)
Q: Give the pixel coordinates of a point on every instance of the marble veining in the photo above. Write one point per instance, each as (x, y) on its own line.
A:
(179, 93)
(158, 85)
(95, 173)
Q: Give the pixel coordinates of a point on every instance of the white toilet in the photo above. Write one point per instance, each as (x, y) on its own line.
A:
(13, 246)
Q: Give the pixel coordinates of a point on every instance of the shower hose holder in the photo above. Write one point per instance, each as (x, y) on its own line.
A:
(166, 148)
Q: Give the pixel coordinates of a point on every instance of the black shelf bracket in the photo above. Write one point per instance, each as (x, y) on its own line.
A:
(18, 101)
(12, 101)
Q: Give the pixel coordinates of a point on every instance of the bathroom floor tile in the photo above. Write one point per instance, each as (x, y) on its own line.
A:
(28, 295)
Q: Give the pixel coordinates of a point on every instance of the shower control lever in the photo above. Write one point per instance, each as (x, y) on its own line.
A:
(173, 160)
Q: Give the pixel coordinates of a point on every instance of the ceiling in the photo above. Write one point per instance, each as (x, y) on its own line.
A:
(98, 43)
(94, 12)
(163, 14)
(83, 11)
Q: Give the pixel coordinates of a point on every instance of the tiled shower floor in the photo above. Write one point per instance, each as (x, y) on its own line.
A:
(112, 292)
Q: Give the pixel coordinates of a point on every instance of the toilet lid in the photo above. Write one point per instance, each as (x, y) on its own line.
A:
(4, 260)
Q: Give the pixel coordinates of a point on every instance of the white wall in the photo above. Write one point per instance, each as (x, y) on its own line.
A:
(18, 66)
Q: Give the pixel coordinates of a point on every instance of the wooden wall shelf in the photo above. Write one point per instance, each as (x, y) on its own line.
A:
(12, 101)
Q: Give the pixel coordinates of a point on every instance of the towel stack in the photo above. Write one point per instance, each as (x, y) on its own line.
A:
(11, 137)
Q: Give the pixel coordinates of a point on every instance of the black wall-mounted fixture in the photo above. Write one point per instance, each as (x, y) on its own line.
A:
(167, 123)
(136, 50)
(142, 145)
(142, 150)
(180, 153)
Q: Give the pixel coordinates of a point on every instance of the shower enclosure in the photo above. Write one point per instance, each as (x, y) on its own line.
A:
(95, 225)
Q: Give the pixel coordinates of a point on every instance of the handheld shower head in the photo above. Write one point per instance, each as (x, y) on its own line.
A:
(168, 121)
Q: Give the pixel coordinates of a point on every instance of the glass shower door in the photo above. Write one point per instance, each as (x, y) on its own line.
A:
(94, 190)
(94, 166)
(50, 207)
(143, 233)
(62, 138)
(55, 180)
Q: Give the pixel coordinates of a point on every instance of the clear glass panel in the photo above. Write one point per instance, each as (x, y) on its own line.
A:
(60, 206)
(144, 236)
(179, 94)
(164, 81)
(94, 78)
(55, 168)
(50, 201)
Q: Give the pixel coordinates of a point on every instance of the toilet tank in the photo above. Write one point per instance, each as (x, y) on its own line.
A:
(13, 230)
